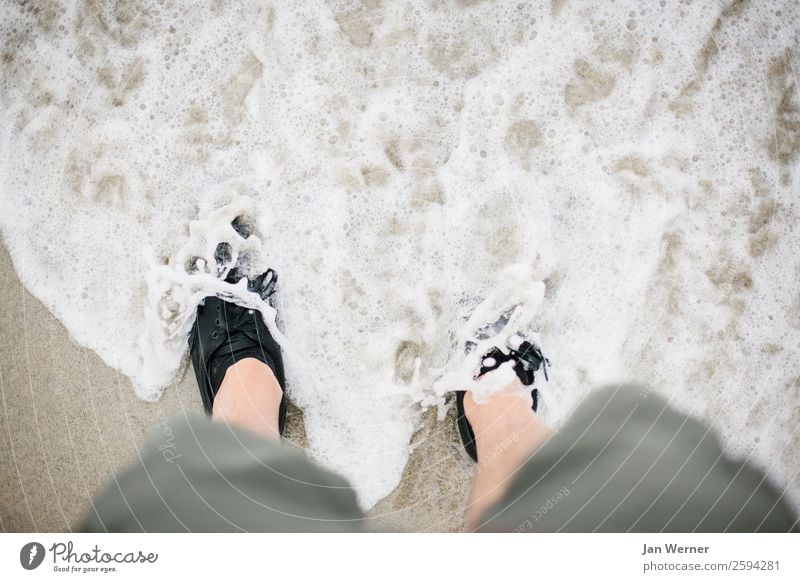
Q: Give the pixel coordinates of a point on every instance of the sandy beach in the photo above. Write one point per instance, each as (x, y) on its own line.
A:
(622, 177)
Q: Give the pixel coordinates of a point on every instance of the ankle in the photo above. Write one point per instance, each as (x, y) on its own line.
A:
(253, 374)
(502, 411)
(249, 397)
(507, 433)
(505, 426)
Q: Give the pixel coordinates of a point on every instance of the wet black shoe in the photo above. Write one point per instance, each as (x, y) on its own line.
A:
(527, 358)
(225, 333)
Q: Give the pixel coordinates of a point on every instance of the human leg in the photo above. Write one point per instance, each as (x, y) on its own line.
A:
(196, 475)
(626, 461)
(507, 431)
(249, 397)
(231, 474)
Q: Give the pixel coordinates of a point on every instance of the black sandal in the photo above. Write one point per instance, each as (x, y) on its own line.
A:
(528, 359)
(225, 333)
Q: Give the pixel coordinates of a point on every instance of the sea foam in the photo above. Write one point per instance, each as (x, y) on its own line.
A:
(626, 172)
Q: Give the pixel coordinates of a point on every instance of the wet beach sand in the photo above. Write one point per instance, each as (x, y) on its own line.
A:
(640, 161)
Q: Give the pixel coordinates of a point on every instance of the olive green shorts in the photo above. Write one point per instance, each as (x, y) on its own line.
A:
(624, 461)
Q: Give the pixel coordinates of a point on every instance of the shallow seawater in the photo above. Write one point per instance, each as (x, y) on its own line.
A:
(402, 162)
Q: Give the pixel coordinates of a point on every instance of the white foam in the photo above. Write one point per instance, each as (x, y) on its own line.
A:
(634, 157)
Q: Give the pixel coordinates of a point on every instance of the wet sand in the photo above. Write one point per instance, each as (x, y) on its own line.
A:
(644, 158)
